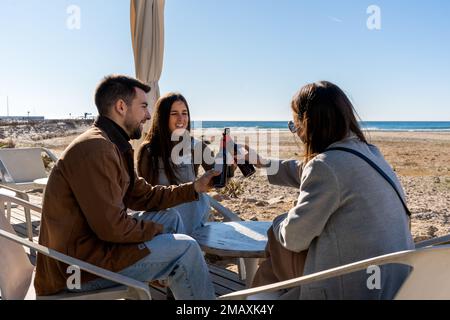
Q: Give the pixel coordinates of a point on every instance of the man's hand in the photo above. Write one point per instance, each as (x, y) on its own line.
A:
(204, 183)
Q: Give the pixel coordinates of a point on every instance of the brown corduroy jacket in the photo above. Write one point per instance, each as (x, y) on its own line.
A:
(84, 212)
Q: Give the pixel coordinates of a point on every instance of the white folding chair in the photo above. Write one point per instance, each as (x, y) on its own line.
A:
(17, 273)
(7, 194)
(429, 278)
(20, 167)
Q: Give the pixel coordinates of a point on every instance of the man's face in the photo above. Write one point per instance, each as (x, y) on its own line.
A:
(137, 115)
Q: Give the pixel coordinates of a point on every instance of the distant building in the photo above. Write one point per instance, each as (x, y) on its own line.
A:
(21, 118)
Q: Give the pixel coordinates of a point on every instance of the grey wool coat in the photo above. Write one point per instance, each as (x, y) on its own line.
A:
(346, 212)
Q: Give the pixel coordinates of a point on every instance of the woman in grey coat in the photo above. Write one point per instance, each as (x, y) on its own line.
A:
(346, 211)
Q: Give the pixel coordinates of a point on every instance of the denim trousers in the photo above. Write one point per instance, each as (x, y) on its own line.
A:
(174, 257)
(194, 214)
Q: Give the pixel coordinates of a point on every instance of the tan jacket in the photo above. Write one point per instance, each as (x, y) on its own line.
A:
(85, 207)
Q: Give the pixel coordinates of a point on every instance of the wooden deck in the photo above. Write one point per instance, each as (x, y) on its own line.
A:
(224, 280)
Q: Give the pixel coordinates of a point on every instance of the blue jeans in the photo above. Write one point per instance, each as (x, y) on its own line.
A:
(175, 257)
(193, 214)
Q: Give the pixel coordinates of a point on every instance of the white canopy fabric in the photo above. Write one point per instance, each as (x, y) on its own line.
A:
(147, 34)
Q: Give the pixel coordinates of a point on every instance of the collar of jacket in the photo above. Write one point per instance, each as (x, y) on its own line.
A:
(120, 138)
(115, 133)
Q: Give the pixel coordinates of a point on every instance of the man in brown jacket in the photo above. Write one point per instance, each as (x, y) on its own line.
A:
(85, 205)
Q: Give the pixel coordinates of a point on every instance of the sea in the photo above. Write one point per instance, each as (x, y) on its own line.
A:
(419, 126)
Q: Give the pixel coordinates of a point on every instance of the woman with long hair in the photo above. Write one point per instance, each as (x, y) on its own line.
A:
(165, 160)
(346, 210)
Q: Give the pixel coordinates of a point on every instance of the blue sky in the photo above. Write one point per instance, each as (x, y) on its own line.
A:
(234, 59)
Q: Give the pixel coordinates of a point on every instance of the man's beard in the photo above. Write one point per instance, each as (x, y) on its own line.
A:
(136, 132)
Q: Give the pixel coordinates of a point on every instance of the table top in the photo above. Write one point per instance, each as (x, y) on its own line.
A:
(243, 239)
(41, 182)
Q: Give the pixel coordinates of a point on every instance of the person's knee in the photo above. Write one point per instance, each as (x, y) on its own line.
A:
(188, 241)
(173, 222)
(173, 215)
(174, 245)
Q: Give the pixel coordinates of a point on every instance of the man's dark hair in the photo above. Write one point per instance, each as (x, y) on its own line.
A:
(115, 87)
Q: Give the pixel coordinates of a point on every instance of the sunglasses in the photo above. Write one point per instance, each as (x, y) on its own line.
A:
(292, 127)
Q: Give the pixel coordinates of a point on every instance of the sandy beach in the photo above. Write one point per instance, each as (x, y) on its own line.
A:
(421, 160)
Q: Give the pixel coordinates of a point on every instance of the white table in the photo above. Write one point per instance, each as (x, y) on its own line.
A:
(241, 239)
(42, 182)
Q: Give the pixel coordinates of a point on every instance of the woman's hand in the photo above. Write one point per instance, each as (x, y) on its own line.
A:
(252, 157)
(204, 183)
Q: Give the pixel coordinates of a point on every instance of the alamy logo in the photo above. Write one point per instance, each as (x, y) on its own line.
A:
(74, 281)
(73, 21)
(264, 142)
(374, 20)
(374, 280)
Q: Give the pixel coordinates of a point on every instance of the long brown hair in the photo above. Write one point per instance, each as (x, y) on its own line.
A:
(158, 139)
(326, 116)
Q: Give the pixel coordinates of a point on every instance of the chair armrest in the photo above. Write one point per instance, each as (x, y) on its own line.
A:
(52, 156)
(21, 202)
(396, 257)
(139, 286)
(433, 242)
(27, 206)
(225, 212)
(20, 194)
